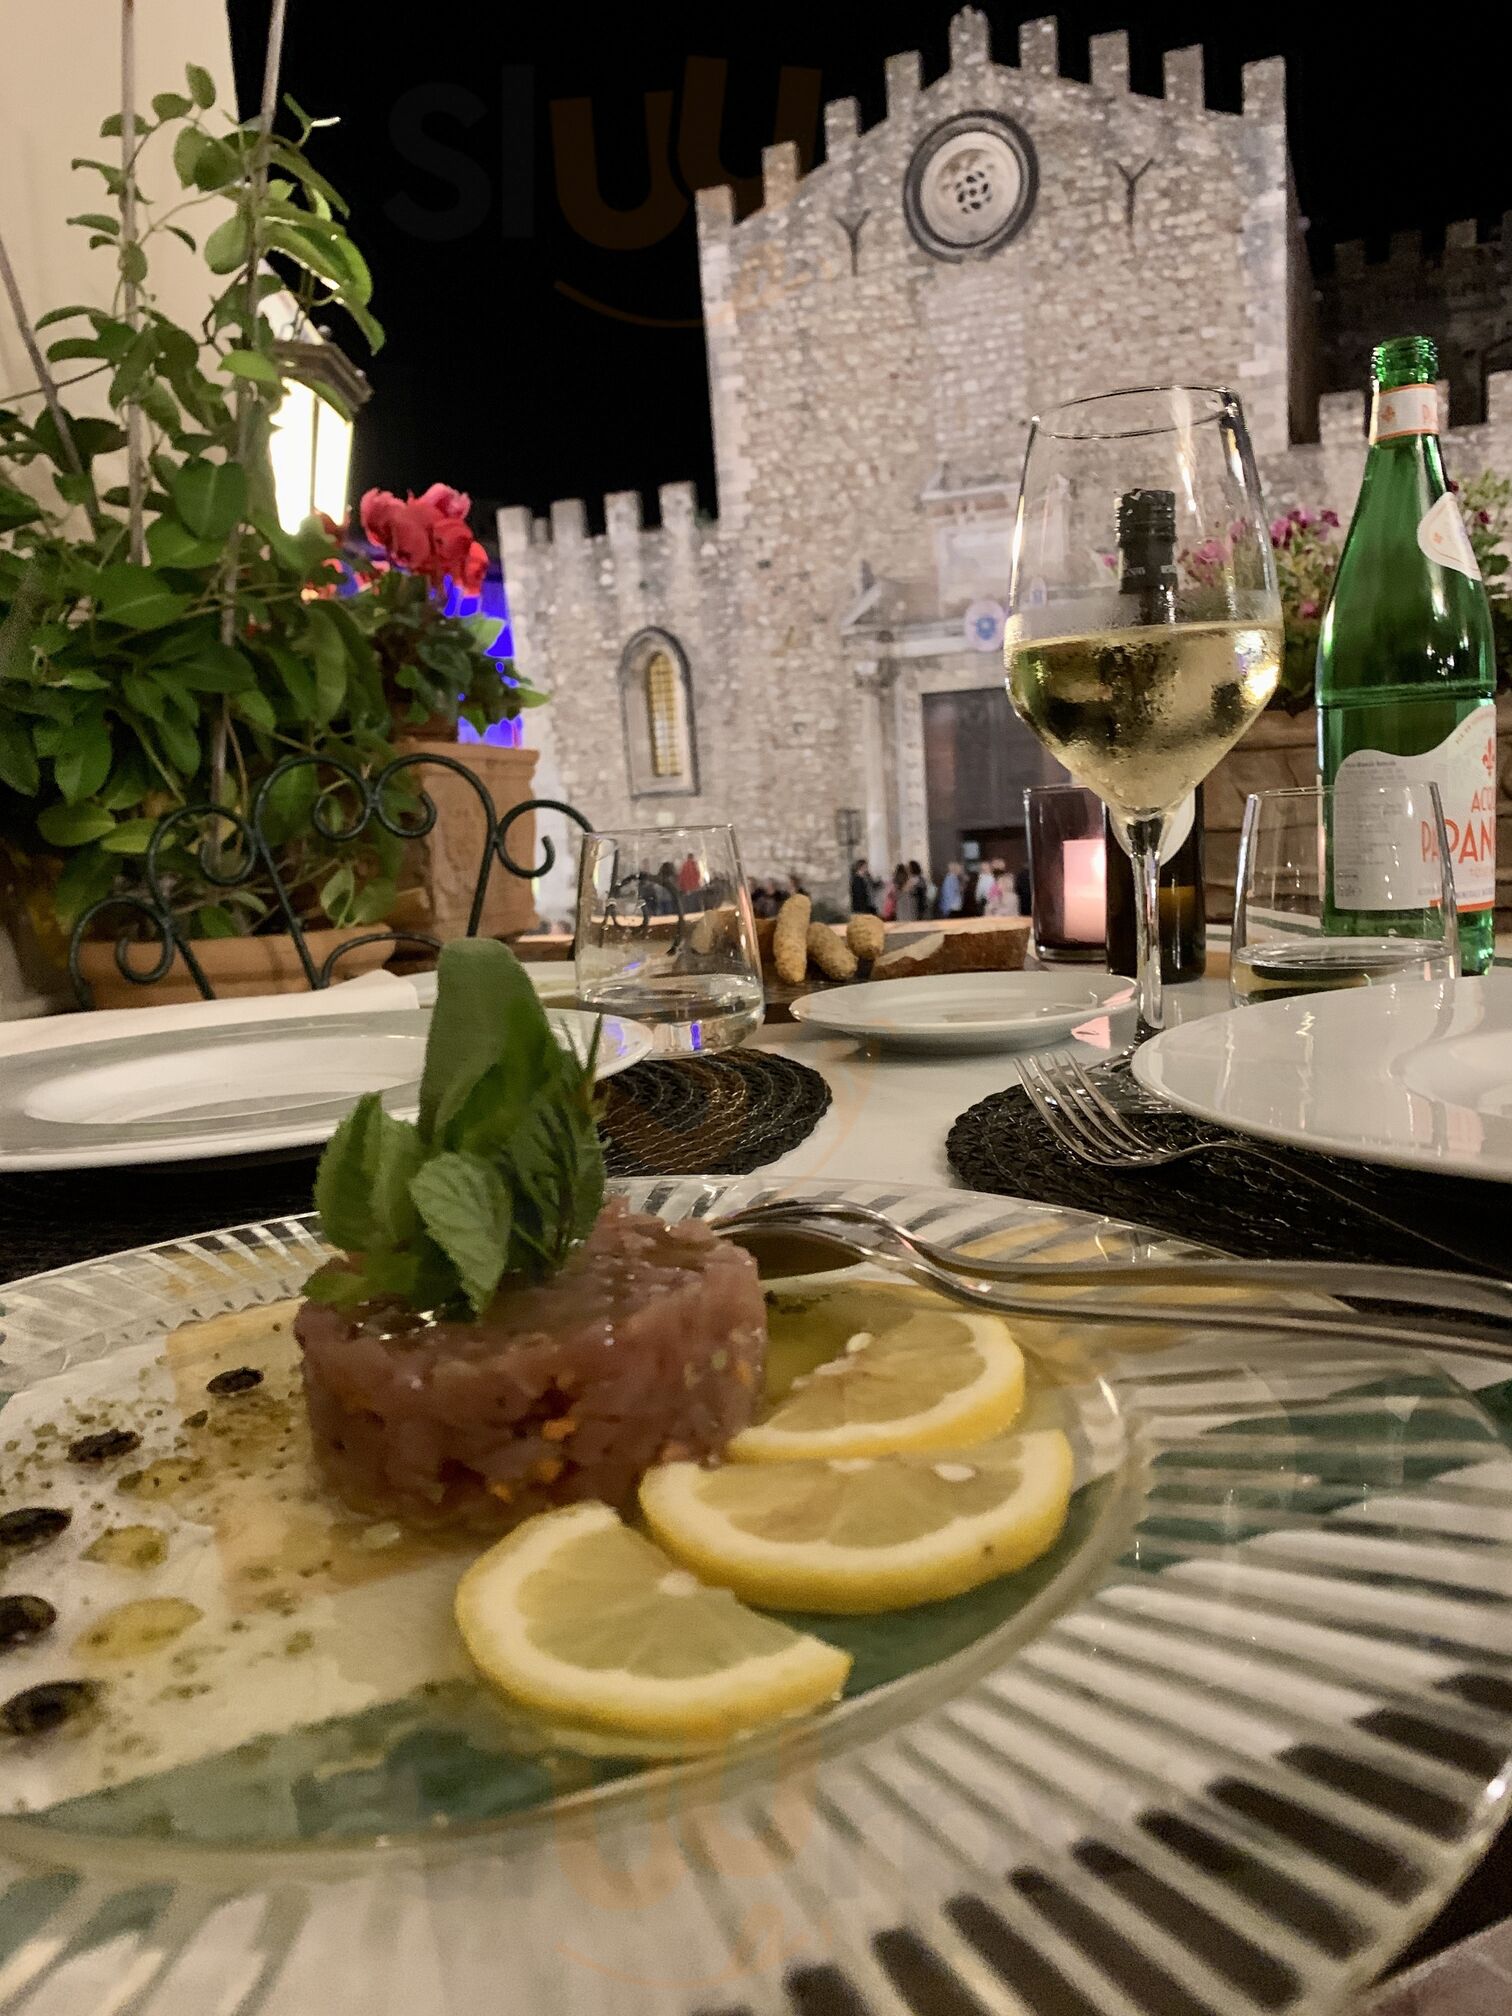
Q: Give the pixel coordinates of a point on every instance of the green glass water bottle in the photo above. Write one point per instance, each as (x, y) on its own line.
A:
(1406, 664)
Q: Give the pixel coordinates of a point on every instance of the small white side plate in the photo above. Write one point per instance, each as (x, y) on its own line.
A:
(229, 1090)
(1417, 1073)
(959, 1012)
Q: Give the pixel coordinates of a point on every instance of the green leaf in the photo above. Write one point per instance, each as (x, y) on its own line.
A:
(210, 497)
(228, 245)
(485, 630)
(133, 262)
(130, 837)
(336, 894)
(186, 152)
(214, 920)
(171, 105)
(85, 879)
(465, 1208)
(374, 901)
(83, 760)
(90, 437)
(216, 668)
(68, 347)
(251, 364)
(334, 260)
(180, 743)
(299, 682)
(19, 769)
(134, 366)
(485, 1005)
(96, 220)
(287, 803)
(158, 403)
(331, 661)
(60, 315)
(74, 825)
(137, 597)
(201, 85)
(362, 1184)
(17, 508)
(258, 709)
(115, 181)
(174, 545)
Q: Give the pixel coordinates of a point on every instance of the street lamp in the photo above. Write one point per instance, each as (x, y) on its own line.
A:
(311, 446)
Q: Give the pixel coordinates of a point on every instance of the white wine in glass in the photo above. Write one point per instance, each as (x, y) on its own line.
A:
(1144, 630)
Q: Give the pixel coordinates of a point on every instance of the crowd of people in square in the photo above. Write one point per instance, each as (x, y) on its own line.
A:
(911, 895)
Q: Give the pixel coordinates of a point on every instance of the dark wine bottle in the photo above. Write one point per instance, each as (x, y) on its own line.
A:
(1147, 569)
(1183, 913)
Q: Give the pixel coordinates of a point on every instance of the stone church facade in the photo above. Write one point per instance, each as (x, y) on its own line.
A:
(879, 333)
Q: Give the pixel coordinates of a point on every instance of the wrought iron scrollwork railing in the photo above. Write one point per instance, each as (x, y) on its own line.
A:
(234, 851)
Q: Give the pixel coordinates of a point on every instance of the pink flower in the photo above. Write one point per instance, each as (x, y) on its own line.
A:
(1483, 517)
(1210, 553)
(1300, 515)
(474, 568)
(448, 502)
(1307, 609)
(408, 536)
(1280, 531)
(1328, 518)
(377, 513)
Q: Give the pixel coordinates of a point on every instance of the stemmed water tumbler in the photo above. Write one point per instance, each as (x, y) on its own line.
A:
(665, 935)
(1144, 624)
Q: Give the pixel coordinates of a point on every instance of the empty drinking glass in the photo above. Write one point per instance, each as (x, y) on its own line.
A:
(1340, 886)
(665, 936)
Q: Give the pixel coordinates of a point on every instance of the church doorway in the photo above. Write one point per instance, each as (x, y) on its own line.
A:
(978, 758)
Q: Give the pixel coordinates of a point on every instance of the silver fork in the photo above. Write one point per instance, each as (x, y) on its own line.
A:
(1018, 1287)
(1084, 1120)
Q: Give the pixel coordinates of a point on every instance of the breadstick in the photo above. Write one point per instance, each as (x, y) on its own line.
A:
(789, 951)
(866, 937)
(830, 953)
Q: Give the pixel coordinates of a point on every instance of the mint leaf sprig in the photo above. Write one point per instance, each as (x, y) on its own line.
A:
(503, 1173)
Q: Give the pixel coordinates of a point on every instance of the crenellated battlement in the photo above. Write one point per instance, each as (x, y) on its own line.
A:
(1184, 82)
(625, 517)
(1405, 253)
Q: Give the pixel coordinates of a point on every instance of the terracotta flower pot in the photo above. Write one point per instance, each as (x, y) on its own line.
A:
(233, 966)
(448, 857)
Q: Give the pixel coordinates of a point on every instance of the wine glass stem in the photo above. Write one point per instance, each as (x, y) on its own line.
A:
(1145, 836)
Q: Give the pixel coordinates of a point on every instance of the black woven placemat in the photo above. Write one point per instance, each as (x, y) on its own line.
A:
(714, 1116)
(1304, 1206)
(710, 1116)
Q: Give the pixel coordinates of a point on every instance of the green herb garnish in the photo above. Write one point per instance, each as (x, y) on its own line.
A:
(503, 1173)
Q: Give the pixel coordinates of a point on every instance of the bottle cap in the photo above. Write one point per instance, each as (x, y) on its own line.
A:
(1147, 517)
(1405, 360)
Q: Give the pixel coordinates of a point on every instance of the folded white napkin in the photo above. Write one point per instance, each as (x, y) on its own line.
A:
(373, 991)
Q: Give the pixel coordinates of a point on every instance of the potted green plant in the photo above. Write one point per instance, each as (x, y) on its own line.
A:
(438, 669)
(164, 641)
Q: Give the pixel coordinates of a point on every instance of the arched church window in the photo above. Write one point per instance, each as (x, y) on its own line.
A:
(657, 703)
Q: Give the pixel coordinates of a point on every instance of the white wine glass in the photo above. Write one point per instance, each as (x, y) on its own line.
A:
(1144, 621)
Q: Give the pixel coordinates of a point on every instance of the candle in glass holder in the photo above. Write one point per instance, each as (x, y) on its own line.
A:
(1084, 911)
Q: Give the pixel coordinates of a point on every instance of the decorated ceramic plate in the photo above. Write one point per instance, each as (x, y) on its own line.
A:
(233, 1090)
(1220, 1749)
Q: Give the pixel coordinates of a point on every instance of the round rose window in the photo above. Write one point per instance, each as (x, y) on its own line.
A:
(970, 185)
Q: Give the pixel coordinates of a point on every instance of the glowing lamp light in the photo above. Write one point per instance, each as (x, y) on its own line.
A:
(311, 446)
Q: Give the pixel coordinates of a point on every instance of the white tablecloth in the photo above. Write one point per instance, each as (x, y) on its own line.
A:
(892, 1109)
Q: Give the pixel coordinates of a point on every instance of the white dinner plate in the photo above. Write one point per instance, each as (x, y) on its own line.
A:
(233, 1090)
(1417, 1073)
(958, 1012)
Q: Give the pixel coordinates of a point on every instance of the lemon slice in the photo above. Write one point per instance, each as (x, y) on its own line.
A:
(576, 1615)
(865, 1533)
(912, 1373)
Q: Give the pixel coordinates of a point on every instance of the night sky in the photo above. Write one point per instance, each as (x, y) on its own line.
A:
(526, 362)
